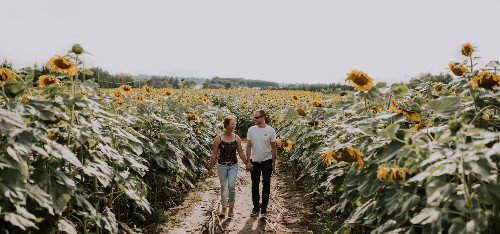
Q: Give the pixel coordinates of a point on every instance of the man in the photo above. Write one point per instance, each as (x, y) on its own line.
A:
(261, 155)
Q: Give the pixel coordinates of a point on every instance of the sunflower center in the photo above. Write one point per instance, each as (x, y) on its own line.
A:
(62, 63)
(488, 82)
(360, 80)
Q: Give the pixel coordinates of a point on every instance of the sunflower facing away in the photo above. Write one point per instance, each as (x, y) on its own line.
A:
(485, 80)
(6, 74)
(457, 70)
(301, 111)
(46, 80)
(467, 49)
(61, 65)
(360, 80)
(327, 157)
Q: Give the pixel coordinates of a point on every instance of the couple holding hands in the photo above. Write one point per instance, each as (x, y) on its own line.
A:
(260, 160)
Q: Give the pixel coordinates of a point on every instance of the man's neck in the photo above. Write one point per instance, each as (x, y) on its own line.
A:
(262, 125)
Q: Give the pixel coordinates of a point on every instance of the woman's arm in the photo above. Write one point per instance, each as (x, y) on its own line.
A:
(240, 150)
(214, 155)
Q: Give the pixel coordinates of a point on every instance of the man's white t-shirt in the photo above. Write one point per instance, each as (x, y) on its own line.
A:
(261, 139)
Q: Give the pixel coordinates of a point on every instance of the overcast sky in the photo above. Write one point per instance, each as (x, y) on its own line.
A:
(290, 41)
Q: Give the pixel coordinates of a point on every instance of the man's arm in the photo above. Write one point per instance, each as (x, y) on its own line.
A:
(273, 153)
(248, 152)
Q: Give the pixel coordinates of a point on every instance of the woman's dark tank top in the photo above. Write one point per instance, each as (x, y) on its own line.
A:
(227, 151)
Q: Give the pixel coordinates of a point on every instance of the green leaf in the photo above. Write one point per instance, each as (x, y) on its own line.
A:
(19, 220)
(67, 226)
(438, 189)
(444, 107)
(389, 132)
(427, 215)
(480, 167)
(41, 197)
(457, 226)
(13, 88)
(87, 72)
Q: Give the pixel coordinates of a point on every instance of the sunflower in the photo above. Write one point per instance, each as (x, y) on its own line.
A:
(437, 87)
(146, 89)
(126, 89)
(47, 80)
(52, 136)
(139, 99)
(287, 145)
(6, 74)
(421, 125)
(295, 98)
(167, 92)
(301, 111)
(360, 80)
(327, 157)
(376, 110)
(85, 93)
(467, 49)
(316, 103)
(61, 65)
(457, 70)
(485, 80)
(25, 98)
(396, 173)
(193, 117)
(313, 123)
(279, 142)
(486, 117)
(116, 104)
(382, 172)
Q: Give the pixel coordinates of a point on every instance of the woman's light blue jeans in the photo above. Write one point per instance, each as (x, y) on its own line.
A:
(227, 177)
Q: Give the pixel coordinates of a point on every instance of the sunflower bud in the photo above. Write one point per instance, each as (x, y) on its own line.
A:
(455, 126)
(77, 49)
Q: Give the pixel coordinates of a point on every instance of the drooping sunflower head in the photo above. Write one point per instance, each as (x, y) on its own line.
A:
(421, 125)
(458, 70)
(126, 89)
(61, 64)
(467, 49)
(486, 80)
(47, 80)
(327, 157)
(360, 80)
(6, 74)
(301, 111)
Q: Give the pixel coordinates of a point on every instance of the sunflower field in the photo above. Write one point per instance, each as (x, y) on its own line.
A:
(420, 158)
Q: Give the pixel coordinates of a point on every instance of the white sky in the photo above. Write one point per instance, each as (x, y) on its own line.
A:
(287, 41)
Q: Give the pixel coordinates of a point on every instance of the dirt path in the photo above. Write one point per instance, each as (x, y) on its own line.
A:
(287, 212)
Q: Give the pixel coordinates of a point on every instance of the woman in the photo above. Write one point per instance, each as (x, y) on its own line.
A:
(224, 150)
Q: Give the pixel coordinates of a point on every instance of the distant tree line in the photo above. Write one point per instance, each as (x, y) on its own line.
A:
(232, 83)
(326, 88)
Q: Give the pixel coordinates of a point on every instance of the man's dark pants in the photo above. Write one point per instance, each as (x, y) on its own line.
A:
(265, 168)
